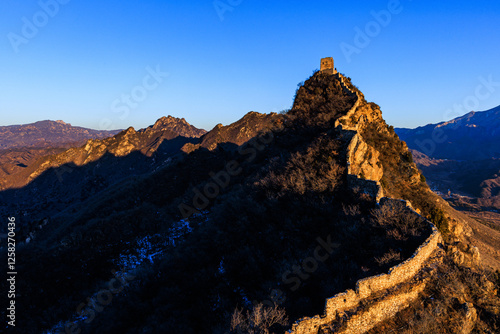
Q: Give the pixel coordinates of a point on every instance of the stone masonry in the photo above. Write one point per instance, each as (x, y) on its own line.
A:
(327, 66)
(358, 170)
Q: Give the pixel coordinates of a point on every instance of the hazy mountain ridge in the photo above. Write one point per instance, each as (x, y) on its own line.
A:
(22, 145)
(48, 134)
(474, 136)
(463, 157)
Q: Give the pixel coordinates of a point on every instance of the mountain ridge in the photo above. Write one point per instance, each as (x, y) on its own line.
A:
(48, 134)
(266, 190)
(147, 141)
(468, 173)
(473, 136)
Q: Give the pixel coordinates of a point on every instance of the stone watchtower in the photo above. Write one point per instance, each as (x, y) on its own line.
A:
(327, 66)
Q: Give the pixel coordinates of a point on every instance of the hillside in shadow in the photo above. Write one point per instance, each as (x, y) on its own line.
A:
(259, 212)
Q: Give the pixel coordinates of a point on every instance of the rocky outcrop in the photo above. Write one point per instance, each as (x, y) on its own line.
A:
(364, 174)
(237, 133)
(465, 255)
(177, 125)
(363, 159)
(363, 167)
(146, 141)
(470, 318)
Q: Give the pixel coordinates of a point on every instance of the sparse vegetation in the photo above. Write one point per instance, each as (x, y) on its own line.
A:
(388, 258)
(251, 245)
(258, 321)
(401, 177)
(395, 220)
(443, 306)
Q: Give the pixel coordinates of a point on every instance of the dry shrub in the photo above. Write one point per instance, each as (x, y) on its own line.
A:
(315, 170)
(390, 257)
(259, 320)
(398, 221)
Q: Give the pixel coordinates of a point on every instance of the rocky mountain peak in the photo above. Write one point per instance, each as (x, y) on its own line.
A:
(166, 120)
(130, 131)
(178, 125)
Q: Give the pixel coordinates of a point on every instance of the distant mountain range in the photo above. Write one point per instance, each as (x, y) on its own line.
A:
(22, 145)
(33, 148)
(474, 136)
(460, 157)
(48, 134)
(54, 173)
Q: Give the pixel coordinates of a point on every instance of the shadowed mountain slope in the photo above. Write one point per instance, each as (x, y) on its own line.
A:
(474, 136)
(146, 141)
(272, 209)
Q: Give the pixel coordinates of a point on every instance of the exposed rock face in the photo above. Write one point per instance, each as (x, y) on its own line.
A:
(237, 133)
(177, 125)
(363, 160)
(470, 318)
(146, 141)
(465, 255)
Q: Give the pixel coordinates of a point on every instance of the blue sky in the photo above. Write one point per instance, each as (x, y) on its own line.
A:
(89, 62)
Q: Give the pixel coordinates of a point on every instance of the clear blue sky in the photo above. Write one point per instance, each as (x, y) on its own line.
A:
(86, 56)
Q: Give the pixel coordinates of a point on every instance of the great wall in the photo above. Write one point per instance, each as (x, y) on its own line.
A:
(379, 297)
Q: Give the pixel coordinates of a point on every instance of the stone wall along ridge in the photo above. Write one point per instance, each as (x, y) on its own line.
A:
(370, 286)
